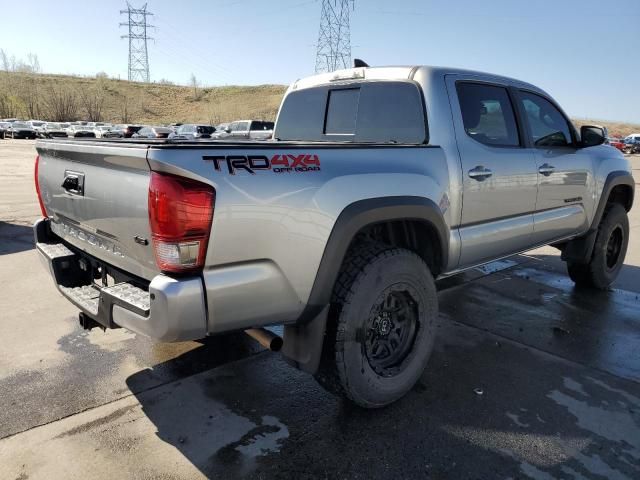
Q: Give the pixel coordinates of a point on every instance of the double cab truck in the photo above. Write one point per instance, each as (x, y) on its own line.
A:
(377, 182)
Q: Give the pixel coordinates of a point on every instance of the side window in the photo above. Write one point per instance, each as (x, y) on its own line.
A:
(391, 112)
(547, 125)
(243, 126)
(487, 114)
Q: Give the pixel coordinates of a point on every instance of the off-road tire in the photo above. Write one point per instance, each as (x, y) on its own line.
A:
(600, 273)
(367, 273)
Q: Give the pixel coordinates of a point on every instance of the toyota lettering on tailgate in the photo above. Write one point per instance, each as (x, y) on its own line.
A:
(279, 163)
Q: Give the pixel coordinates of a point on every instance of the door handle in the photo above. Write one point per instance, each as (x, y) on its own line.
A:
(546, 169)
(480, 173)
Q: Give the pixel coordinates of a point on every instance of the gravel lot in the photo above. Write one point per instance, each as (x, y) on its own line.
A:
(530, 379)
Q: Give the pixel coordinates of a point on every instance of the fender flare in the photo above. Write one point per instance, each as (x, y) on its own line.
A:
(303, 341)
(580, 249)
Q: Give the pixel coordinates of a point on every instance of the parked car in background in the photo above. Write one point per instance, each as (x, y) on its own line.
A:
(193, 132)
(53, 129)
(113, 132)
(100, 130)
(152, 132)
(21, 130)
(248, 129)
(3, 129)
(80, 131)
(632, 144)
(616, 143)
(37, 125)
(221, 130)
(121, 131)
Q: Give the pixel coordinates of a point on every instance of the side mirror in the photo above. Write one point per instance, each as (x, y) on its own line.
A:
(228, 130)
(592, 135)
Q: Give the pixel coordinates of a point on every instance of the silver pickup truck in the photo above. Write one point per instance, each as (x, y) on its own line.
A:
(377, 182)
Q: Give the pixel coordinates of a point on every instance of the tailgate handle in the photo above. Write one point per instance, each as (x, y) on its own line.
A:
(73, 182)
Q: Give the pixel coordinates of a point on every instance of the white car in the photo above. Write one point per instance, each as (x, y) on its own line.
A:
(100, 129)
(37, 125)
(76, 131)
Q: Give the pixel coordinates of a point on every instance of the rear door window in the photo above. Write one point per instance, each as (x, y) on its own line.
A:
(487, 114)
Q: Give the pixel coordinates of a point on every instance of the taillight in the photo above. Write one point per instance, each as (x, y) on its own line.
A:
(180, 215)
(37, 180)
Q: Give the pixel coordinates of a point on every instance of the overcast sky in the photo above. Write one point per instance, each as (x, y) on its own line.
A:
(583, 52)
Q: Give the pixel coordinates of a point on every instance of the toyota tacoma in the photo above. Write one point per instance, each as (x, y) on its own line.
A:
(377, 182)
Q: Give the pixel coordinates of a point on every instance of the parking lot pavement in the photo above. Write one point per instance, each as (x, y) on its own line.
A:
(531, 378)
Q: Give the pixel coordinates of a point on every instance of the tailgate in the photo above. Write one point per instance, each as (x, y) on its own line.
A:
(96, 197)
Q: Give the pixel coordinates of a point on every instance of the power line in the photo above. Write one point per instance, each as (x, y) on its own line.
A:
(138, 53)
(334, 39)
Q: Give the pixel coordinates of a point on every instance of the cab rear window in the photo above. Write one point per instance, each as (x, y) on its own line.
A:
(371, 112)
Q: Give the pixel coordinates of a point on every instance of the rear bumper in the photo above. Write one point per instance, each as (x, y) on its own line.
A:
(168, 310)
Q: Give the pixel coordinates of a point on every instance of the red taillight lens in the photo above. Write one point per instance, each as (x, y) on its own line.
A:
(180, 216)
(37, 180)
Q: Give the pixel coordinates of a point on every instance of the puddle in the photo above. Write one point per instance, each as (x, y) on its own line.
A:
(267, 441)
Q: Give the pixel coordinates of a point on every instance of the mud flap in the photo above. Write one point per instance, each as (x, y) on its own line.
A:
(580, 250)
(302, 346)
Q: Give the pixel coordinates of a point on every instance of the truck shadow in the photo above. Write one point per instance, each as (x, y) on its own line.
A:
(493, 402)
(15, 238)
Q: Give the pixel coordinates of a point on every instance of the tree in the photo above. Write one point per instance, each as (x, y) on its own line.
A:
(62, 104)
(4, 59)
(92, 101)
(124, 109)
(33, 63)
(30, 98)
(10, 106)
(194, 84)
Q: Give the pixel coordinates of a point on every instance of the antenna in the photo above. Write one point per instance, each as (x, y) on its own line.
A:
(334, 40)
(138, 54)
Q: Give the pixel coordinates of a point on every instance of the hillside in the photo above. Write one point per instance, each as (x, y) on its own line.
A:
(63, 98)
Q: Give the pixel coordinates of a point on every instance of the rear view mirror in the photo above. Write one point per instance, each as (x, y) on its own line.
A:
(592, 135)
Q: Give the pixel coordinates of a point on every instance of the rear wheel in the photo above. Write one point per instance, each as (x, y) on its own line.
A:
(381, 332)
(608, 252)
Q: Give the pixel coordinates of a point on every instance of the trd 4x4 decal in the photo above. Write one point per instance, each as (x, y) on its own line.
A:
(279, 163)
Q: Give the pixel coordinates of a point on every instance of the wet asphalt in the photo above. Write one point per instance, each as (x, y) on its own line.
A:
(531, 378)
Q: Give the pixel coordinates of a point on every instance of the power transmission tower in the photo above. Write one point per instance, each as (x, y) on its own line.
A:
(138, 54)
(334, 40)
